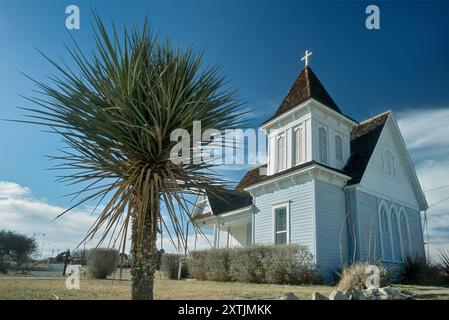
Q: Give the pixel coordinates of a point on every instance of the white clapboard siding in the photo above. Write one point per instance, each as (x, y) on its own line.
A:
(331, 226)
(302, 221)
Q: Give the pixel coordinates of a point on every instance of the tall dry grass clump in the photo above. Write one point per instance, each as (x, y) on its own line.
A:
(356, 275)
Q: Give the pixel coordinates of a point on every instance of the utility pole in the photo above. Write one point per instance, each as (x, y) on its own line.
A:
(66, 261)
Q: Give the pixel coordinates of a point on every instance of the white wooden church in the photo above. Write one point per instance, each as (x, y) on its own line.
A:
(347, 190)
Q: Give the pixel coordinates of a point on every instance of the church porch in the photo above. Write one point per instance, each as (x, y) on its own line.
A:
(230, 230)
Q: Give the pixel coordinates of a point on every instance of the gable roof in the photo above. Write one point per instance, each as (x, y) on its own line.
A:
(305, 87)
(364, 139)
(225, 200)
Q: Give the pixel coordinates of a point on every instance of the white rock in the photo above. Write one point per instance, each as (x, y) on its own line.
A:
(372, 293)
(289, 296)
(319, 296)
(337, 295)
(354, 294)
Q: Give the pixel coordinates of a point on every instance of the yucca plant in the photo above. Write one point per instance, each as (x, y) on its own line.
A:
(414, 269)
(443, 264)
(115, 111)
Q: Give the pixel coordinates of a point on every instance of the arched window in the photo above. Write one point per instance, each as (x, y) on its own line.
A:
(281, 153)
(405, 234)
(322, 141)
(385, 233)
(389, 163)
(395, 234)
(338, 148)
(299, 145)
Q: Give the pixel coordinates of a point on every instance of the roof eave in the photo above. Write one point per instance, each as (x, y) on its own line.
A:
(295, 173)
(302, 105)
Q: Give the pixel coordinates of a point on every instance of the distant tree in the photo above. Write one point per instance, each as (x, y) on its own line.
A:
(3, 264)
(79, 256)
(60, 257)
(18, 247)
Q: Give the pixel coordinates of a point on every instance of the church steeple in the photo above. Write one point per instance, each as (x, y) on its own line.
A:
(305, 87)
(315, 129)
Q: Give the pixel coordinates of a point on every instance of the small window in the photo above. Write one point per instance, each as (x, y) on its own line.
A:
(338, 148)
(280, 223)
(299, 145)
(322, 140)
(281, 153)
(395, 234)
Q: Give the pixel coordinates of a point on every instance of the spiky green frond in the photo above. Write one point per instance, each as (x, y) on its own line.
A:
(115, 112)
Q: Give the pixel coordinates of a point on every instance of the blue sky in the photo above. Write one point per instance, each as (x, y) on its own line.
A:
(402, 66)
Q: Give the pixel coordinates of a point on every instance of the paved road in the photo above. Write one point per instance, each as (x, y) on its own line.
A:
(53, 270)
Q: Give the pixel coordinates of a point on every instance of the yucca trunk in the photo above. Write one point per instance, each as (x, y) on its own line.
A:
(144, 256)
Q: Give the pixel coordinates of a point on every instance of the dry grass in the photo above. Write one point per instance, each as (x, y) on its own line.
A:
(92, 289)
(41, 288)
(355, 276)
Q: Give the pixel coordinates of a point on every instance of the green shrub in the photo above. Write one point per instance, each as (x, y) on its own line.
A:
(355, 276)
(102, 262)
(218, 265)
(289, 264)
(4, 267)
(414, 269)
(246, 264)
(197, 265)
(170, 265)
(286, 264)
(443, 265)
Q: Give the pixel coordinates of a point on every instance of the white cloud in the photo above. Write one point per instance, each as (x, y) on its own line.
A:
(12, 190)
(425, 129)
(21, 212)
(426, 133)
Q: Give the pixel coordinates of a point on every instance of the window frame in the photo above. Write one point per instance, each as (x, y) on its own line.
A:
(394, 213)
(279, 137)
(402, 214)
(285, 205)
(303, 153)
(398, 213)
(389, 162)
(385, 242)
(340, 139)
(326, 136)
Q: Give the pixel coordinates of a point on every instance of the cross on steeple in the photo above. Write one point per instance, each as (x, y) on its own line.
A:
(306, 58)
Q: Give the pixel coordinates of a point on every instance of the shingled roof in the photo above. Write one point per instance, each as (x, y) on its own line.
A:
(305, 87)
(253, 176)
(224, 200)
(364, 138)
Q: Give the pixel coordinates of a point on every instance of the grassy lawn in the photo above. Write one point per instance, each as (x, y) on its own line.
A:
(41, 288)
(52, 288)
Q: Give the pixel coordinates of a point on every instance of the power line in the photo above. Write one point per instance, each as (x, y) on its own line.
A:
(433, 205)
(437, 188)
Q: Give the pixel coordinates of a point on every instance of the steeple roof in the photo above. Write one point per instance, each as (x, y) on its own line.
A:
(305, 87)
